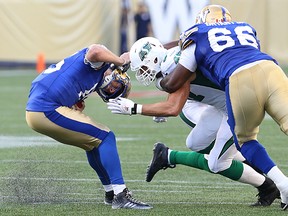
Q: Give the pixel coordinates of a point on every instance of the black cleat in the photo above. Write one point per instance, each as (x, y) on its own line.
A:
(283, 206)
(159, 161)
(125, 200)
(268, 192)
(109, 197)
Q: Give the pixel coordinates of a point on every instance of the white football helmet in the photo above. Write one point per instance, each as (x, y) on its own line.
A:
(213, 14)
(146, 56)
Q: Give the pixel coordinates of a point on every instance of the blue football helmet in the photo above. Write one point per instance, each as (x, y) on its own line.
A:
(118, 75)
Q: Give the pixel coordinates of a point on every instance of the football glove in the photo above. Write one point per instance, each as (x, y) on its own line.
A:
(160, 119)
(80, 106)
(124, 106)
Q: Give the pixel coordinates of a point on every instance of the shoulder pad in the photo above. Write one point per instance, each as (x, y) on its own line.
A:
(184, 40)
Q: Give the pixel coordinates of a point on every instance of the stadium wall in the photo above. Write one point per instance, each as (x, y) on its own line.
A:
(58, 28)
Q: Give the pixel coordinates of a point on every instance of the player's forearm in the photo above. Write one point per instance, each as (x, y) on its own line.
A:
(160, 109)
(99, 53)
(171, 44)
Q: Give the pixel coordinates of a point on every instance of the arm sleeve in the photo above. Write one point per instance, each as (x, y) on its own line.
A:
(187, 58)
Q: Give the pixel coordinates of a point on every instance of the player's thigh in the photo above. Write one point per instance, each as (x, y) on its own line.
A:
(205, 121)
(220, 157)
(197, 114)
(277, 102)
(224, 149)
(247, 96)
(191, 111)
(71, 127)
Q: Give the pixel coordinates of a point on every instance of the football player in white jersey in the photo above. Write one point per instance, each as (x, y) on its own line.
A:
(205, 109)
(228, 53)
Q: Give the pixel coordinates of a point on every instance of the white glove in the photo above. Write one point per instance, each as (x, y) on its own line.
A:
(124, 106)
(160, 119)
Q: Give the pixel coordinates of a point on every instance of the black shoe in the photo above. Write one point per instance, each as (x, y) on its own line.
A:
(283, 206)
(268, 192)
(109, 197)
(159, 161)
(125, 200)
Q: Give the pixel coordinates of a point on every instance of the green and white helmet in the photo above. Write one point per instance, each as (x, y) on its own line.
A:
(146, 56)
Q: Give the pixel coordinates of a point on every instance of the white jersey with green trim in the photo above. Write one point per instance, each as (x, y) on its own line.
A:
(205, 112)
(201, 89)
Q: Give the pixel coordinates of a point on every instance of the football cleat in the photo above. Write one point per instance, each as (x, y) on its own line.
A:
(283, 206)
(109, 197)
(267, 195)
(125, 200)
(283, 187)
(159, 161)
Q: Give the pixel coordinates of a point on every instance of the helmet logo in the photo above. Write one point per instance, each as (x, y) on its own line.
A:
(203, 15)
(155, 60)
(144, 51)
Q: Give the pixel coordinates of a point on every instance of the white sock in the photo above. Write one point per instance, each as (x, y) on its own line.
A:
(118, 188)
(239, 157)
(108, 187)
(276, 175)
(250, 176)
(169, 152)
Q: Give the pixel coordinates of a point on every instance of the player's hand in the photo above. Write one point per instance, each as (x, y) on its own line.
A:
(160, 119)
(80, 106)
(122, 106)
(126, 58)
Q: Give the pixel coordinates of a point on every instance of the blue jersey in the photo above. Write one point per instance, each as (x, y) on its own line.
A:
(64, 83)
(221, 48)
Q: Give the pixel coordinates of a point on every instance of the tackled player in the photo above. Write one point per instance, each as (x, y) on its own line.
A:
(55, 106)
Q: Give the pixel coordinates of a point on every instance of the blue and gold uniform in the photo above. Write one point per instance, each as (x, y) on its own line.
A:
(52, 109)
(55, 91)
(224, 47)
(64, 83)
(228, 53)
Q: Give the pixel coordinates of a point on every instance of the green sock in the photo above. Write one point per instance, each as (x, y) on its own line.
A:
(197, 160)
(192, 159)
(235, 171)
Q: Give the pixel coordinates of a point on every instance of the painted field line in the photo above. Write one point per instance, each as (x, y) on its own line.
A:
(29, 141)
(192, 184)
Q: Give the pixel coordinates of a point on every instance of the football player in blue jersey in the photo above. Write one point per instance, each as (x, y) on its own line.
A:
(55, 106)
(204, 110)
(228, 53)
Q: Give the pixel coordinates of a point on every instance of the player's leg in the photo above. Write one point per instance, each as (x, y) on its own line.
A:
(220, 160)
(277, 100)
(103, 165)
(246, 111)
(74, 128)
(70, 129)
(164, 158)
(210, 122)
(204, 120)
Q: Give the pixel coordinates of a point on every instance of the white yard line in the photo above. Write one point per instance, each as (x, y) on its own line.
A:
(29, 141)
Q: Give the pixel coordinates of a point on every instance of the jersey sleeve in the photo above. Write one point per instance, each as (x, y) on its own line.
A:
(187, 58)
(185, 39)
(95, 65)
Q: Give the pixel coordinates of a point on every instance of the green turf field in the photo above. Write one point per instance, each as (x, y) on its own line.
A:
(39, 176)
